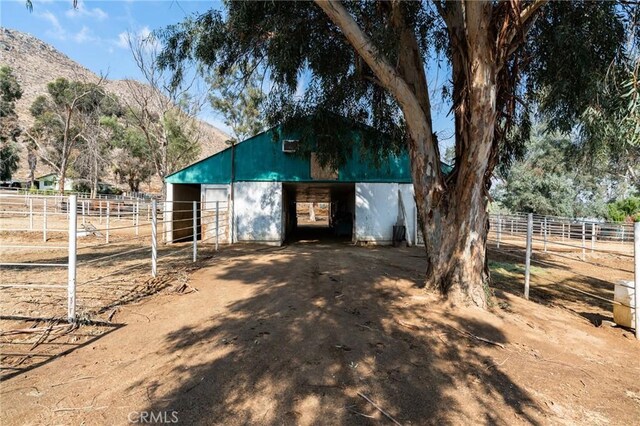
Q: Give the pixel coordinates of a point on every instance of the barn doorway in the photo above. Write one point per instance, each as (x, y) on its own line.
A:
(318, 212)
(182, 212)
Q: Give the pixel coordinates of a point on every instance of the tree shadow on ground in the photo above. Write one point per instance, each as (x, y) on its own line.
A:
(554, 282)
(318, 327)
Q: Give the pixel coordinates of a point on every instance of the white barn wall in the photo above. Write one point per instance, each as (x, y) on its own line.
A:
(410, 206)
(377, 210)
(258, 212)
(167, 217)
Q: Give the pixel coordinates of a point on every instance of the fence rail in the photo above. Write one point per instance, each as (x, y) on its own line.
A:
(119, 236)
(548, 241)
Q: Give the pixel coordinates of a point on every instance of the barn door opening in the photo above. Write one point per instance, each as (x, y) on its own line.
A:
(182, 212)
(318, 212)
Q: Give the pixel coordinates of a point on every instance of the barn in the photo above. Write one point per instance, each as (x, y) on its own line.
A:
(257, 183)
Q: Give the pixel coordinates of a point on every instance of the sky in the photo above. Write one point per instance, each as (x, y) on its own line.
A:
(95, 35)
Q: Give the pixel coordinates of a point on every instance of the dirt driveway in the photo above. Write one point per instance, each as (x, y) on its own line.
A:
(304, 334)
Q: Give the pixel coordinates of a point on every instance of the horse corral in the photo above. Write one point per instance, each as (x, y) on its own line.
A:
(114, 267)
(356, 300)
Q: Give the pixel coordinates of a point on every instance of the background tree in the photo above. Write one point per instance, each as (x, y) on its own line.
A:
(32, 162)
(366, 61)
(547, 182)
(238, 97)
(164, 113)
(61, 120)
(10, 130)
(93, 157)
(130, 157)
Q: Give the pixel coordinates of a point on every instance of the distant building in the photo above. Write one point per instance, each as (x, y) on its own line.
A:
(262, 178)
(49, 182)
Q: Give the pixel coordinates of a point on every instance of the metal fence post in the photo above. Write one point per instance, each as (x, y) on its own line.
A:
(527, 267)
(107, 226)
(584, 245)
(83, 209)
(154, 239)
(137, 218)
(636, 275)
(546, 232)
(498, 231)
(164, 222)
(217, 222)
(73, 245)
(195, 231)
(44, 221)
(593, 237)
(563, 232)
(30, 214)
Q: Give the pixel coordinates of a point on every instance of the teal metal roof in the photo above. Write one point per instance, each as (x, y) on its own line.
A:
(261, 158)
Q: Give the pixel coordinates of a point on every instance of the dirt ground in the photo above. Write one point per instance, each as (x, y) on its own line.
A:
(316, 334)
(109, 278)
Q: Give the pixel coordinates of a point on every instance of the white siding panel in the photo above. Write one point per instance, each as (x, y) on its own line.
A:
(376, 212)
(410, 206)
(258, 212)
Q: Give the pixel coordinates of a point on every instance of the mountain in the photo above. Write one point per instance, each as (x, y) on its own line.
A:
(36, 63)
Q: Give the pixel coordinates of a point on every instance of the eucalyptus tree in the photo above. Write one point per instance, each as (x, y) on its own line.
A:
(130, 157)
(238, 97)
(164, 113)
(60, 121)
(10, 130)
(366, 60)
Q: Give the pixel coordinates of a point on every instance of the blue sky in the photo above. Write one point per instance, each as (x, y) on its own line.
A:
(94, 35)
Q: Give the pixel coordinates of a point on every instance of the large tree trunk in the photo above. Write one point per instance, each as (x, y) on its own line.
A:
(63, 175)
(94, 178)
(455, 227)
(452, 210)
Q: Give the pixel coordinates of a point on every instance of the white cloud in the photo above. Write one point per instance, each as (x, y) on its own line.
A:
(144, 34)
(81, 11)
(83, 35)
(56, 31)
(123, 40)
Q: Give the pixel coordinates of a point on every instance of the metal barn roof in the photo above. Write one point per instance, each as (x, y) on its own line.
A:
(262, 158)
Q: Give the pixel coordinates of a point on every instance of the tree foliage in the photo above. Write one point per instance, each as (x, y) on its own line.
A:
(547, 182)
(130, 155)
(239, 99)
(570, 47)
(366, 61)
(62, 119)
(625, 209)
(10, 91)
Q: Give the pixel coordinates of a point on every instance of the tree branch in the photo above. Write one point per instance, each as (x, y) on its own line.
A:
(380, 65)
(531, 10)
(41, 151)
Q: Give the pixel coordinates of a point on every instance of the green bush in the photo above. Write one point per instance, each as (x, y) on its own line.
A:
(621, 210)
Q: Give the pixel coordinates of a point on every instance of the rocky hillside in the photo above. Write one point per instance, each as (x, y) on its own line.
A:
(36, 63)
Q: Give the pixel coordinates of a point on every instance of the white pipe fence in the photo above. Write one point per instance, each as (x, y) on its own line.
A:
(559, 237)
(137, 234)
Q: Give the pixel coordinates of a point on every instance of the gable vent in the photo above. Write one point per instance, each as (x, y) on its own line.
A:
(290, 145)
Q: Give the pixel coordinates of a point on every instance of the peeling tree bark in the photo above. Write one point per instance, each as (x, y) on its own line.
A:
(453, 209)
